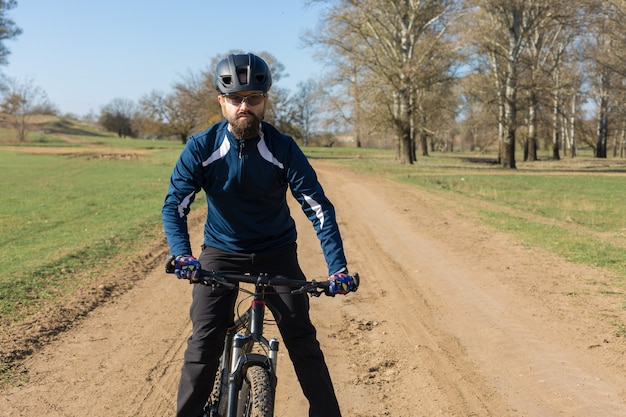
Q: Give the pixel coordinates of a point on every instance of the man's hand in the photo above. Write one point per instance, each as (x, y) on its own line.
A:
(341, 283)
(186, 267)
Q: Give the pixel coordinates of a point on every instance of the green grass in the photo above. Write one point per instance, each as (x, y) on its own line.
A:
(64, 213)
(572, 215)
(574, 245)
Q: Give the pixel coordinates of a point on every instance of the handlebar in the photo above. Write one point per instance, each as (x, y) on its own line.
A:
(228, 280)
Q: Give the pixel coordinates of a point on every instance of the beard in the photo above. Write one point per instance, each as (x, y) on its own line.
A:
(245, 128)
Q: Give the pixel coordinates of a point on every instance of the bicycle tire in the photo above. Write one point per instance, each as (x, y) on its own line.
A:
(216, 405)
(256, 398)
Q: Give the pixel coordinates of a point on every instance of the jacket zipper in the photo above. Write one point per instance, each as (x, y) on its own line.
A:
(242, 145)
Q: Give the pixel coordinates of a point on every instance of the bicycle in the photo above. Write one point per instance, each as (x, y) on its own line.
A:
(245, 382)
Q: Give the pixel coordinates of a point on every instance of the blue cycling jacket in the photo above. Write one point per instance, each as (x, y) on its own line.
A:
(245, 182)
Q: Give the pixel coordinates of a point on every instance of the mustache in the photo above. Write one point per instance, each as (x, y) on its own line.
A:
(245, 113)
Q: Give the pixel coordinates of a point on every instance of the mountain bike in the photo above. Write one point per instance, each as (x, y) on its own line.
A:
(245, 382)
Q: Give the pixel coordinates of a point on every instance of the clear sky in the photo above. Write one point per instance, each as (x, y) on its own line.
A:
(85, 53)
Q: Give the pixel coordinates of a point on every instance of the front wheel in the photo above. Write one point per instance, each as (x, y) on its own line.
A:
(256, 398)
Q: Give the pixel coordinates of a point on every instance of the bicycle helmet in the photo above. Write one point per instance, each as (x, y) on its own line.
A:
(245, 72)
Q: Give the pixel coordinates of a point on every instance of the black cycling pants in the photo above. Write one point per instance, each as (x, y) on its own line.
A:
(212, 312)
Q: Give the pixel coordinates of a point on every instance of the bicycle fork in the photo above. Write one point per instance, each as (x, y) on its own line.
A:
(241, 358)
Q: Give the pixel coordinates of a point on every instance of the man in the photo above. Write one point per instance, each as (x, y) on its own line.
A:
(245, 166)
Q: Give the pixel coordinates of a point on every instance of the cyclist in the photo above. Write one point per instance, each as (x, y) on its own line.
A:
(245, 167)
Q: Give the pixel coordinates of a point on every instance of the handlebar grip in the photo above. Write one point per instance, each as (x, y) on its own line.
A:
(357, 281)
(169, 264)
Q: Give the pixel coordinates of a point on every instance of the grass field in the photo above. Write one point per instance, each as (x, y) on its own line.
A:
(77, 200)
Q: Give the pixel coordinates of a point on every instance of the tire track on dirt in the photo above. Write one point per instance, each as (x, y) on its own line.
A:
(425, 359)
(157, 397)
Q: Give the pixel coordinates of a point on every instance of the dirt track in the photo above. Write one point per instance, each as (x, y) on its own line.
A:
(452, 319)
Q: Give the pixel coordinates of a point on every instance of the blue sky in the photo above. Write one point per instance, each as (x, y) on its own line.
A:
(85, 53)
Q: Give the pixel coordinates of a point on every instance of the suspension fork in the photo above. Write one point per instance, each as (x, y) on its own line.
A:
(240, 358)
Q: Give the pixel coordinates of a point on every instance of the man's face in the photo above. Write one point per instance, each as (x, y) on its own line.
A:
(244, 111)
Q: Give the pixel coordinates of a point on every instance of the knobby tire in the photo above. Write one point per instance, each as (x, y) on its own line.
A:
(256, 397)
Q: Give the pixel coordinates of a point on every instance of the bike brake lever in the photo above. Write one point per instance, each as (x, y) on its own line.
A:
(310, 289)
(216, 285)
(316, 292)
(300, 290)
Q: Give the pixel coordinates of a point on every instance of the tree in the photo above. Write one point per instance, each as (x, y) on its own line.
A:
(305, 102)
(20, 99)
(605, 63)
(8, 29)
(281, 112)
(190, 107)
(565, 88)
(504, 31)
(543, 39)
(400, 45)
(117, 116)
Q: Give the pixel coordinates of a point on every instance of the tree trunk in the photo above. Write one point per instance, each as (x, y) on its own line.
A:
(603, 118)
(424, 136)
(572, 124)
(510, 119)
(556, 154)
(424, 142)
(402, 124)
(22, 130)
(532, 128)
(556, 140)
(603, 130)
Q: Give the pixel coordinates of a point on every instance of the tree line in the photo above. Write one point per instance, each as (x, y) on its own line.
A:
(191, 105)
(426, 75)
(515, 73)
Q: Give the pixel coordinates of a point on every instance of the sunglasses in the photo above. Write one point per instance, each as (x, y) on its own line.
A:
(251, 100)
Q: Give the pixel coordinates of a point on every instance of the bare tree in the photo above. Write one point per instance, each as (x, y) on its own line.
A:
(398, 43)
(190, 107)
(564, 92)
(305, 105)
(605, 62)
(502, 31)
(20, 99)
(117, 117)
(543, 39)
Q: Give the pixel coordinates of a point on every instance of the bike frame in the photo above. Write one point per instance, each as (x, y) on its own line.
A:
(237, 355)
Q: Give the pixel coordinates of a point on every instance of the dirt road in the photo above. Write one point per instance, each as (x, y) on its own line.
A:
(452, 319)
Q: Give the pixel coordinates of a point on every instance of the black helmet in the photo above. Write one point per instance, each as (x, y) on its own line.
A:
(246, 72)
